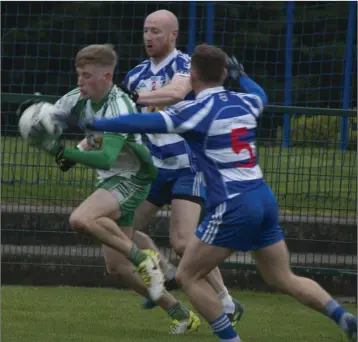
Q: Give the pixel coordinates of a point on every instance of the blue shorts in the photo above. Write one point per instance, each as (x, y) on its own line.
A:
(176, 185)
(244, 223)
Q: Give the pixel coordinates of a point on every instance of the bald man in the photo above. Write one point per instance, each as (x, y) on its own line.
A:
(160, 81)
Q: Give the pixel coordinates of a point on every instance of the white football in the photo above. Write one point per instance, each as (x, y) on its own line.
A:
(38, 115)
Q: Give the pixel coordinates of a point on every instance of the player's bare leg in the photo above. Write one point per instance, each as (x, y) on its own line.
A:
(118, 265)
(273, 263)
(87, 218)
(95, 216)
(143, 214)
(144, 241)
(184, 221)
(198, 260)
(232, 307)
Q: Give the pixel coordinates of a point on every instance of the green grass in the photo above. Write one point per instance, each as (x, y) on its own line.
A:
(64, 314)
(313, 179)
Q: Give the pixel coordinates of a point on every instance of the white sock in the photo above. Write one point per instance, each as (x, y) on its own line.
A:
(170, 273)
(226, 301)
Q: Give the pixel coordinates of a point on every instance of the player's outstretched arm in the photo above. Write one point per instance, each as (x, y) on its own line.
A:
(236, 71)
(176, 119)
(102, 159)
(251, 87)
(132, 123)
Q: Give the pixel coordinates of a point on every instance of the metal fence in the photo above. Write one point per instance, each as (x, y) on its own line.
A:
(314, 181)
(302, 53)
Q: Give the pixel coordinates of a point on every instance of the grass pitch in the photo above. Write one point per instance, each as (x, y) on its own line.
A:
(70, 314)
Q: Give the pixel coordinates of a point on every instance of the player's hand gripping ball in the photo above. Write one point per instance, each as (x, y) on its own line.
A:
(36, 120)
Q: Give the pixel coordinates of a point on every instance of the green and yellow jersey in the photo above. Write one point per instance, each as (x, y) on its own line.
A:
(111, 154)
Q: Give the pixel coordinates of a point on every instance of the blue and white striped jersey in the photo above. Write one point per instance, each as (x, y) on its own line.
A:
(219, 127)
(169, 151)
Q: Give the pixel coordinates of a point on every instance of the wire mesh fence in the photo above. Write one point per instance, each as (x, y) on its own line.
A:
(301, 53)
(314, 181)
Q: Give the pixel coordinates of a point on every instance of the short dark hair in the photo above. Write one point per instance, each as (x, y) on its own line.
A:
(209, 62)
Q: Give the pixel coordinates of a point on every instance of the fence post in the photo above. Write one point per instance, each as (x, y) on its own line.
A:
(288, 73)
(192, 27)
(348, 73)
(210, 8)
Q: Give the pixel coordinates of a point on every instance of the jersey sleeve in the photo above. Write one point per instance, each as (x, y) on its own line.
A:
(255, 103)
(132, 77)
(66, 103)
(126, 81)
(182, 65)
(121, 105)
(255, 97)
(187, 116)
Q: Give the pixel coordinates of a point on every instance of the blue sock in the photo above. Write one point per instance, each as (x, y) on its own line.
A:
(224, 330)
(334, 311)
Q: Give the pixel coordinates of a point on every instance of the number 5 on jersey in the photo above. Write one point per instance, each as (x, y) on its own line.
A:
(240, 145)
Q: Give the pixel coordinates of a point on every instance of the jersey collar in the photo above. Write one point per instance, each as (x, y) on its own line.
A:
(209, 91)
(156, 67)
(96, 106)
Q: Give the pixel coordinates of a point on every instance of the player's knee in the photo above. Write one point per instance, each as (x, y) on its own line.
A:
(183, 277)
(178, 244)
(283, 282)
(180, 277)
(179, 241)
(291, 285)
(79, 222)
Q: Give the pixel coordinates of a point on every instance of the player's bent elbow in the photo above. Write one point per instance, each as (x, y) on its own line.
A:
(107, 161)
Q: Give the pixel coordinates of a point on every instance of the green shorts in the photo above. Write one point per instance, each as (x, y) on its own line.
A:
(129, 192)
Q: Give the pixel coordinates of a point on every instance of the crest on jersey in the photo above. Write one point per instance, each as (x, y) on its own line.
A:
(158, 82)
(153, 83)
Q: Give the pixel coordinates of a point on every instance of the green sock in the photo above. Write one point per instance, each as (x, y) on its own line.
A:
(178, 311)
(137, 256)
